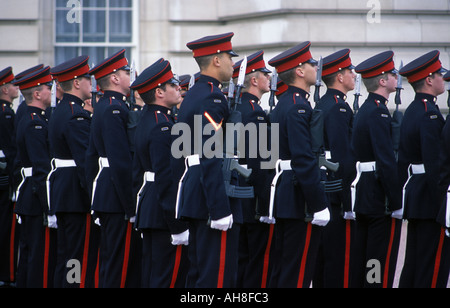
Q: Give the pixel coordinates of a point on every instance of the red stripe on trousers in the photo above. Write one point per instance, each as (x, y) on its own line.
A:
(46, 256)
(266, 258)
(126, 256)
(97, 270)
(348, 230)
(223, 252)
(437, 263)
(85, 251)
(176, 268)
(301, 276)
(388, 257)
(12, 275)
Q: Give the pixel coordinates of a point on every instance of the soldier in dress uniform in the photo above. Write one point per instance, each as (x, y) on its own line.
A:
(213, 217)
(37, 247)
(256, 236)
(427, 260)
(300, 203)
(67, 188)
(165, 259)
(444, 213)
(109, 173)
(8, 93)
(376, 191)
(333, 269)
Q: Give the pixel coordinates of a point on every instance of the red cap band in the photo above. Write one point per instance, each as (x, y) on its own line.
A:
(166, 77)
(211, 50)
(73, 74)
(111, 68)
(337, 67)
(294, 62)
(383, 69)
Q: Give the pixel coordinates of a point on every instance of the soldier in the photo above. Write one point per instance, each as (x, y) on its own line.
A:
(299, 193)
(165, 260)
(36, 264)
(377, 201)
(213, 217)
(111, 179)
(426, 262)
(334, 262)
(67, 188)
(444, 214)
(256, 236)
(8, 93)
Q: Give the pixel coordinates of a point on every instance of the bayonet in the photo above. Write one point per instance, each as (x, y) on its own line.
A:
(240, 82)
(448, 98)
(191, 82)
(93, 89)
(231, 89)
(54, 98)
(273, 89)
(399, 88)
(318, 81)
(357, 93)
(132, 80)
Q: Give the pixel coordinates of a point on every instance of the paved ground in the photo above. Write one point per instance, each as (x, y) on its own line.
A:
(401, 257)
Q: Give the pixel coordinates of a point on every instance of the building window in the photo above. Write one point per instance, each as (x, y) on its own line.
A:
(97, 28)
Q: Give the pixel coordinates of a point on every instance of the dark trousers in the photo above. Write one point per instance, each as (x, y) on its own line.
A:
(78, 239)
(256, 249)
(377, 242)
(37, 260)
(9, 240)
(297, 245)
(213, 256)
(427, 260)
(334, 258)
(120, 252)
(164, 265)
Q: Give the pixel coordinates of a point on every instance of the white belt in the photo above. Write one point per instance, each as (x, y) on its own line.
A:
(149, 177)
(360, 168)
(412, 170)
(103, 162)
(26, 173)
(2, 155)
(193, 160)
(281, 165)
(447, 209)
(58, 164)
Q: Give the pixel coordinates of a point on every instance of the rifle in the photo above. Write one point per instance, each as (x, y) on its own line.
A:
(231, 164)
(448, 98)
(318, 81)
(397, 117)
(231, 89)
(357, 93)
(317, 146)
(273, 90)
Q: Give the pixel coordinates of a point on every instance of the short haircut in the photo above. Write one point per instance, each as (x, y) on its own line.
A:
(28, 93)
(204, 62)
(418, 85)
(67, 86)
(150, 96)
(248, 78)
(329, 80)
(372, 84)
(289, 76)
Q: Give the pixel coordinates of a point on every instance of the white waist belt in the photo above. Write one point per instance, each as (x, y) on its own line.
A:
(412, 170)
(149, 177)
(281, 165)
(103, 162)
(193, 160)
(26, 173)
(360, 168)
(57, 164)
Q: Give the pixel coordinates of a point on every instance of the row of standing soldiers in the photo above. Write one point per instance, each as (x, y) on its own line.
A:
(99, 205)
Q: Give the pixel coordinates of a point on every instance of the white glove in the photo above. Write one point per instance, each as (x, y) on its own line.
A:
(52, 222)
(267, 220)
(222, 224)
(349, 216)
(181, 239)
(133, 219)
(321, 218)
(447, 233)
(398, 214)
